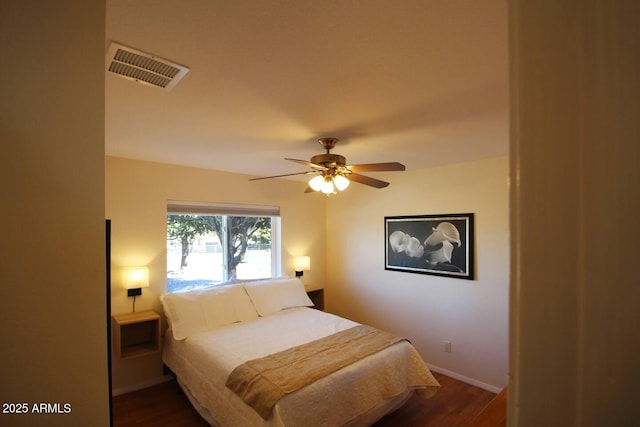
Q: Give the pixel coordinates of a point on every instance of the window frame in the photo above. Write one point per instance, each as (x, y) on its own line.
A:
(181, 207)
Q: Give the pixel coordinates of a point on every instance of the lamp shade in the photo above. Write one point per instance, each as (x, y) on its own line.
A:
(302, 263)
(341, 182)
(316, 182)
(136, 277)
(328, 183)
(327, 186)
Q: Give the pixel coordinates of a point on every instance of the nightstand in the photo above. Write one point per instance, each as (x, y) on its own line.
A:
(135, 334)
(316, 295)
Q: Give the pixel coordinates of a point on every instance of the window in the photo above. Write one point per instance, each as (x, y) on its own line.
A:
(209, 244)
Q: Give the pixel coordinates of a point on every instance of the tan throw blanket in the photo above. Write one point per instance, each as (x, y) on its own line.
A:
(260, 383)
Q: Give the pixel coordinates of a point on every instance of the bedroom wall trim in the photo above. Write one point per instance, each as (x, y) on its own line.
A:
(464, 379)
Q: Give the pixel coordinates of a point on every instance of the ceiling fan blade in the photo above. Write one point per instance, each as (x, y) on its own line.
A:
(377, 167)
(306, 163)
(367, 180)
(279, 176)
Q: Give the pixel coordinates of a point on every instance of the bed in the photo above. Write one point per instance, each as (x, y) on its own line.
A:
(258, 354)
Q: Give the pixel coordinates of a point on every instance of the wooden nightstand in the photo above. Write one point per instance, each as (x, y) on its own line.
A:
(135, 334)
(316, 295)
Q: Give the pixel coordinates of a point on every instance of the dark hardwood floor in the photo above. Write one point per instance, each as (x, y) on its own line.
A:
(455, 404)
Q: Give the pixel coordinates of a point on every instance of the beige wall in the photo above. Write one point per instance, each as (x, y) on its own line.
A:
(575, 150)
(473, 315)
(347, 245)
(52, 291)
(136, 200)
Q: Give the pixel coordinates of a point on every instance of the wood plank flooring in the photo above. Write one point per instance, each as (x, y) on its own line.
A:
(456, 404)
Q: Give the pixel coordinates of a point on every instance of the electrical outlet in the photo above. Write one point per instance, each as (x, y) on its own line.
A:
(447, 346)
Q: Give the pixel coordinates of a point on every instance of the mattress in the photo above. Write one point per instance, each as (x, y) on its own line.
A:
(356, 395)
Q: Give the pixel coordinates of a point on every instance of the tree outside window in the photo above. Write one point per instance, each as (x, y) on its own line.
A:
(204, 250)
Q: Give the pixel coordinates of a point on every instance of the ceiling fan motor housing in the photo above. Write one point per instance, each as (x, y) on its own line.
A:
(329, 160)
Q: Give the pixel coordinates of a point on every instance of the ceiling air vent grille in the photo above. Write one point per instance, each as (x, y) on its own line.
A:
(144, 68)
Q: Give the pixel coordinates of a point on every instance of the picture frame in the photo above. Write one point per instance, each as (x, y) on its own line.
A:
(440, 245)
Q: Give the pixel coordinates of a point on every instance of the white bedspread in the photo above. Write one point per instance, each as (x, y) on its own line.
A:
(204, 361)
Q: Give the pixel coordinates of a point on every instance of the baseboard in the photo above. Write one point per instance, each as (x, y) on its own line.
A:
(464, 379)
(140, 386)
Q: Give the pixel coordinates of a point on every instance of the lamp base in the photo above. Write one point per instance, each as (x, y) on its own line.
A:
(299, 273)
(133, 292)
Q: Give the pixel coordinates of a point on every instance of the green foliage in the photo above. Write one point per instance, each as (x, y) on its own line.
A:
(180, 227)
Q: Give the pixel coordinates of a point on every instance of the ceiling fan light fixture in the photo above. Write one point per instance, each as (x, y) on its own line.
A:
(327, 186)
(316, 182)
(341, 182)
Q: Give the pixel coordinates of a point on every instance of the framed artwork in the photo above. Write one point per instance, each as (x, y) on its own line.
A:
(440, 245)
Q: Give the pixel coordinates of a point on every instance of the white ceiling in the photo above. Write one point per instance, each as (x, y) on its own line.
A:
(421, 82)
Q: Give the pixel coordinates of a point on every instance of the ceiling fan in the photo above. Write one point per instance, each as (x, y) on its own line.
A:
(333, 173)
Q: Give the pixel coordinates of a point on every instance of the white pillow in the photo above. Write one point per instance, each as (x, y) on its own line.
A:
(274, 295)
(242, 305)
(189, 313)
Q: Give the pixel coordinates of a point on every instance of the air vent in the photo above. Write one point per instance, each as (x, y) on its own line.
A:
(144, 68)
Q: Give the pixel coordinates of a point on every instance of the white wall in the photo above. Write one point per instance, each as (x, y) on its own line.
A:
(473, 315)
(575, 167)
(136, 202)
(52, 289)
